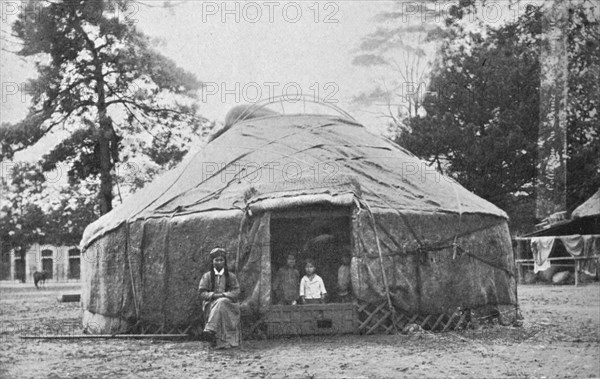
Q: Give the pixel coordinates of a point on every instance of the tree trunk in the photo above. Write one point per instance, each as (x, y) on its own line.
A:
(105, 135)
(106, 194)
(23, 255)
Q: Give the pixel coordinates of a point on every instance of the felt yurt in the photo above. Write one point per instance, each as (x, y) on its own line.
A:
(423, 249)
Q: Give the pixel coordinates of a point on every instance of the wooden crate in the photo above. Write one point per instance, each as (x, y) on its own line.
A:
(297, 320)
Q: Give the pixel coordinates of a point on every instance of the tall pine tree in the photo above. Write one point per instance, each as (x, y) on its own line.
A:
(104, 84)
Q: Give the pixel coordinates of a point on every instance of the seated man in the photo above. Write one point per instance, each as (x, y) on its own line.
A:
(219, 291)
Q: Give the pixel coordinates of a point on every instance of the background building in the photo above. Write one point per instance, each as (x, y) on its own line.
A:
(62, 262)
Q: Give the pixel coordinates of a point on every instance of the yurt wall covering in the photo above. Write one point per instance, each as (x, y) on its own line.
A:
(440, 246)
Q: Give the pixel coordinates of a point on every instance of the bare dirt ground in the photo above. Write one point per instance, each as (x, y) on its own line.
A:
(559, 338)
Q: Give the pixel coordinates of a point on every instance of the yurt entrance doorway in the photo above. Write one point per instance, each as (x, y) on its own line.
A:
(320, 233)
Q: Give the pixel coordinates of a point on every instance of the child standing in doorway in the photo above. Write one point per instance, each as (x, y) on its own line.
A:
(344, 282)
(312, 288)
(286, 282)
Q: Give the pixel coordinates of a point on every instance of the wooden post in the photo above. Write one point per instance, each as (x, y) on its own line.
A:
(520, 273)
(517, 252)
(576, 272)
(385, 281)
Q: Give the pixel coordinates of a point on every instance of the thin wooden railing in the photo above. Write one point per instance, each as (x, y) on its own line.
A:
(576, 264)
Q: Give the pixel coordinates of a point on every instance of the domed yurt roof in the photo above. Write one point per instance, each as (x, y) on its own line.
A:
(278, 156)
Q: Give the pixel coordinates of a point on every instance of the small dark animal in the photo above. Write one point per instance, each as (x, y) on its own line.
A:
(40, 278)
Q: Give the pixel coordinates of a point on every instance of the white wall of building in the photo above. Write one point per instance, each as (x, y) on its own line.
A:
(63, 261)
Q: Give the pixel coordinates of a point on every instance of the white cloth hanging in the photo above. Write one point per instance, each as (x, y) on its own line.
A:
(541, 247)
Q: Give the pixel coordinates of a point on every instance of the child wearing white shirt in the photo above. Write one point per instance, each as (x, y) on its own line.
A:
(312, 288)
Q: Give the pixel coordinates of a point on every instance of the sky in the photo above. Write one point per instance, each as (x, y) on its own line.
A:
(242, 52)
(245, 51)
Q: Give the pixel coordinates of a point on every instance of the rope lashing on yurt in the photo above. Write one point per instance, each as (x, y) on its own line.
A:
(208, 197)
(142, 261)
(423, 248)
(122, 286)
(133, 290)
(183, 170)
(166, 266)
(248, 173)
(238, 177)
(403, 217)
(356, 234)
(462, 251)
(510, 273)
(455, 246)
(397, 245)
(205, 198)
(383, 274)
(239, 246)
(238, 158)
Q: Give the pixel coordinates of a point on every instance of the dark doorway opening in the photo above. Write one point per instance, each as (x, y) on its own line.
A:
(74, 264)
(47, 266)
(4, 264)
(48, 262)
(20, 269)
(321, 233)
